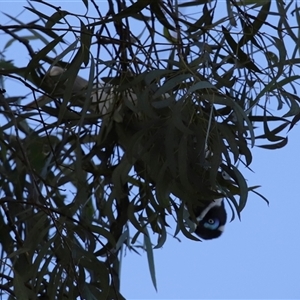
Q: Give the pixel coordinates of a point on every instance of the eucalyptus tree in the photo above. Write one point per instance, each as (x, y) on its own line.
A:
(133, 115)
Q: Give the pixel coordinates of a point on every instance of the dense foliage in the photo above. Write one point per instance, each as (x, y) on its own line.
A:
(181, 99)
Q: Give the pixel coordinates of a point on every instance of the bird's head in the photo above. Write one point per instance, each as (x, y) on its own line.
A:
(211, 220)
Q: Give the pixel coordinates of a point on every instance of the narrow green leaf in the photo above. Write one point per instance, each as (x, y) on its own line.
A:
(242, 56)
(243, 188)
(102, 232)
(168, 36)
(278, 145)
(250, 2)
(87, 97)
(159, 13)
(274, 84)
(135, 8)
(250, 31)
(272, 57)
(24, 38)
(71, 73)
(192, 3)
(171, 83)
(85, 40)
(204, 20)
(37, 12)
(227, 133)
(36, 33)
(86, 3)
(35, 61)
(295, 120)
(55, 18)
(231, 15)
(260, 195)
(163, 236)
(150, 257)
(201, 85)
(59, 57)
(180, 224)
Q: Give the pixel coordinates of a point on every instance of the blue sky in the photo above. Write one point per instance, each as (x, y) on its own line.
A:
(257, 258)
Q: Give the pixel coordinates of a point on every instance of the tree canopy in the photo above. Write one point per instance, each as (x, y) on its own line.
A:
(170, 100)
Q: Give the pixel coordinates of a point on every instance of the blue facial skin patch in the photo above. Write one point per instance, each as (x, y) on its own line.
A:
(212, 224)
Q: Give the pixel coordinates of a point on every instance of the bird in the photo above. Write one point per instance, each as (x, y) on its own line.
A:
(105, 97)
(211, 220)
(102, 94)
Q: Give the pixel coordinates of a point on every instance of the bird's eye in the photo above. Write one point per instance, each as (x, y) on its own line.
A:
(212, 224)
